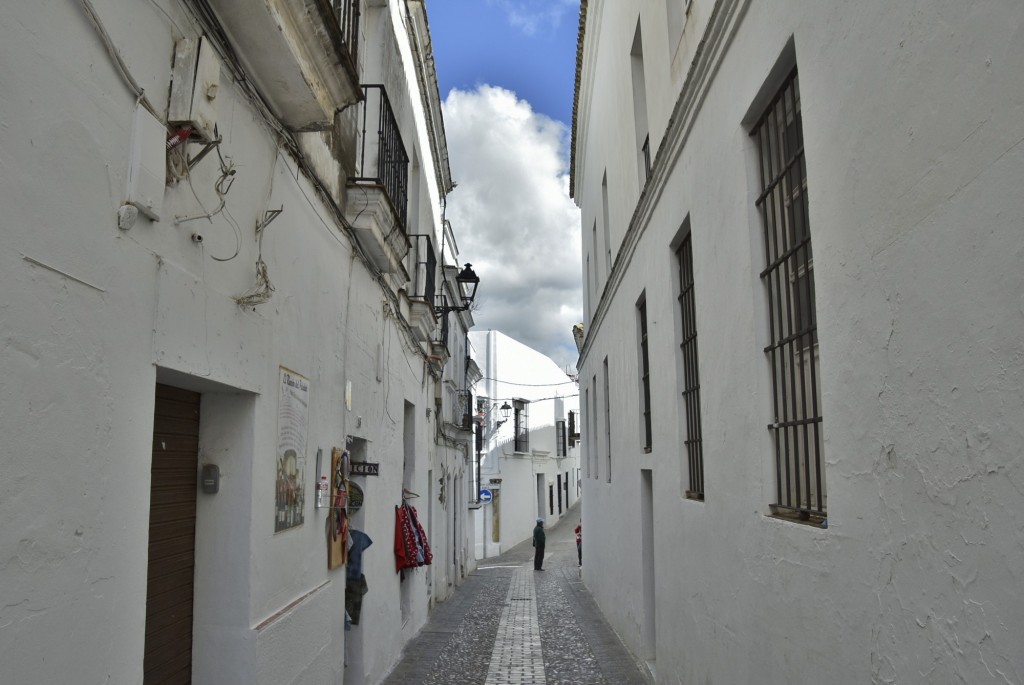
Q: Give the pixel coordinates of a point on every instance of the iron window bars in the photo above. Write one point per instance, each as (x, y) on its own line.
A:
(691, 375)
(645, 377)
(789, 279)
(522, 426)
(645, 152)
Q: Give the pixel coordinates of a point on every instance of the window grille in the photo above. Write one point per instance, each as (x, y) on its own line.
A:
(560, 439)
(789, 281)
(645, 151)
(574, 429)
(522, 425)
(645, 377)
(691, 375)
(607, 423)
(588, 443)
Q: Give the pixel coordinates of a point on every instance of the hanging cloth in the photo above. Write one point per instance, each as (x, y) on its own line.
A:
(354, 592)
(411, 546)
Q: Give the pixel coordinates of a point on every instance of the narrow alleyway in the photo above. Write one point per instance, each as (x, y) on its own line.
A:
(511, 625)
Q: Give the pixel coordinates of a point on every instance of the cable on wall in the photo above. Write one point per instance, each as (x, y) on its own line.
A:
(115, 55)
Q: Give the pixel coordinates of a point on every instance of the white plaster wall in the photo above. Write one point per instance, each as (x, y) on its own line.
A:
(85, 337)
(514, 370)
(912, 122)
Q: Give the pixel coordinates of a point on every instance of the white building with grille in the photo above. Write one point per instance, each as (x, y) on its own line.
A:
(527, 441)
(802, 379)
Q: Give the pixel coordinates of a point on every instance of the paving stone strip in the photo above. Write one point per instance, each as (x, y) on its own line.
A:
(516, 658)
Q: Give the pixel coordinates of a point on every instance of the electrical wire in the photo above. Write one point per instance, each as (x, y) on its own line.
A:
(286, 139)
(495, 400)
(530, 385)
(168, 17)
(115, 55)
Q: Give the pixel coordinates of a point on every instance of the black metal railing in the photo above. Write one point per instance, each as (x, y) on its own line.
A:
(347, 14)
(383, 160)
(423, 263)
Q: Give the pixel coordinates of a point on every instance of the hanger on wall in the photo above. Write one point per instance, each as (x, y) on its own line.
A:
(408, 494)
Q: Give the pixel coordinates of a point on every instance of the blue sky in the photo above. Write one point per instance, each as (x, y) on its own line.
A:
(505, 70)
(526, 46)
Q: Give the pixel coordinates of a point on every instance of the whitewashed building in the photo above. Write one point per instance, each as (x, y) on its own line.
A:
(804, 466)
(527, 441)
(223, 259)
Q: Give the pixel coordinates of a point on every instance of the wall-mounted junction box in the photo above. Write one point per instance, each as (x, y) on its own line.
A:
(195, 81)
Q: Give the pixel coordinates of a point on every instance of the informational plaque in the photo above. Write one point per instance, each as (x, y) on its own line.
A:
(292, 421)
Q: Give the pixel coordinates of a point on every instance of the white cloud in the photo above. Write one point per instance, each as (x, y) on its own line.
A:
(514, 219)
(530, 16)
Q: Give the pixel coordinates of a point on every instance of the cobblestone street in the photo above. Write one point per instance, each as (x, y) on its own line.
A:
(509, 624)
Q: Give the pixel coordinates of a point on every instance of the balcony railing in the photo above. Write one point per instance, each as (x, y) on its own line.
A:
(424, 266)
(347, 12)
(382, 157)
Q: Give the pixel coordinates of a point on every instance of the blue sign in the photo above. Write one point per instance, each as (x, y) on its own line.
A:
(485, 497)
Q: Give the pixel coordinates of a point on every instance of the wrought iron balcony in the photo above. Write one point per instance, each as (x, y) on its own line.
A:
(347, 14)
(422, 266)
(377, 195)
(383, 160)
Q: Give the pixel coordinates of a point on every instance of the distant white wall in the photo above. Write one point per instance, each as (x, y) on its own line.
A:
(517, 371)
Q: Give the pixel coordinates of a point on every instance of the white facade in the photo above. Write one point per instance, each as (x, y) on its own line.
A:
(95, 316)
(530, 461)
(911, 129)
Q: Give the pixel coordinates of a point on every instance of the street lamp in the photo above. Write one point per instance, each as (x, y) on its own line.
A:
(467, 281)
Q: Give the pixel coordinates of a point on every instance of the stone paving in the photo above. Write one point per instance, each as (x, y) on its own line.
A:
(510, 625)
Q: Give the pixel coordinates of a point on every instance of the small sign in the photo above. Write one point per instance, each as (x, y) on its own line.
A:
(355, 498)
(363, 468)
(486, 497)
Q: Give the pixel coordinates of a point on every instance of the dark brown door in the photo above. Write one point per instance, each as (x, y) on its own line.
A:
(172, 533)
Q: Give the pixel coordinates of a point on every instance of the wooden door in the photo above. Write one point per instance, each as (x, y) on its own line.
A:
(172, 528)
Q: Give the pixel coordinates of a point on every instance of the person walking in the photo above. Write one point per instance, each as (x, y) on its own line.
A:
(579, 542)
(539, 538)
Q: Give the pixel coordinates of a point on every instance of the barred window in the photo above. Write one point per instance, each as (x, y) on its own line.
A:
(645, 377)
(691, 376)
(522, 425)
(560, 439)
(788, 277)
(607, 423)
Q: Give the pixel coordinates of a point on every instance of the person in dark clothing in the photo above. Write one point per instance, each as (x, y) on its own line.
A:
(538, 545)
(579, 542)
